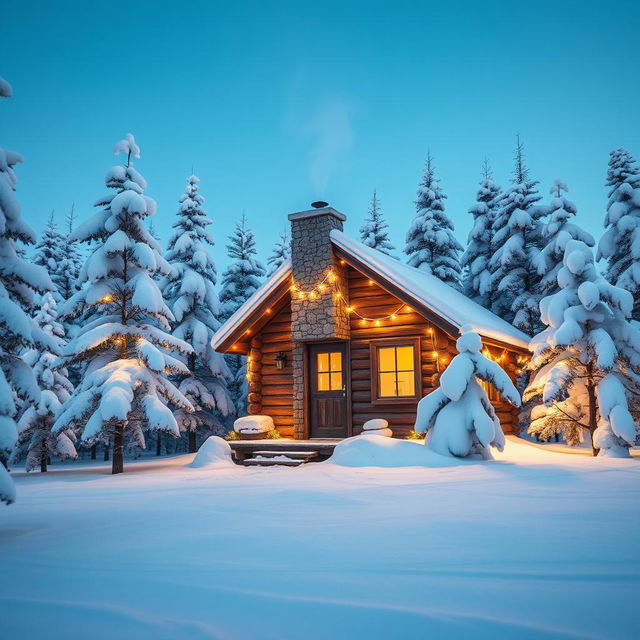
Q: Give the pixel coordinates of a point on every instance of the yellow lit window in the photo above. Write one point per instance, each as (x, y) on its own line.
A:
(329, 371)
(396, 371)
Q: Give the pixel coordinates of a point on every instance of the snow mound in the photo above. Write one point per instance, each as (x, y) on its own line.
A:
(253, 424)
(369, 450)
(214, 451)
(377, 427)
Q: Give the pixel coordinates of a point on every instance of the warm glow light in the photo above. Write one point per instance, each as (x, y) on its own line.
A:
(322, 287)
(107, 298)
(349, 309)
(342, 262)
(268, 310)
(408, 309)
(363, 322)
(434, 354)
(394, 316)
(370, 283)
(248, 331)
(377, 323)
(430, 329)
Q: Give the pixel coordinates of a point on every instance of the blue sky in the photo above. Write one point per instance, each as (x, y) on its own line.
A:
(276, 104)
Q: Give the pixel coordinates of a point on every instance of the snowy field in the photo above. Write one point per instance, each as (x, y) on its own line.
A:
(537, 544)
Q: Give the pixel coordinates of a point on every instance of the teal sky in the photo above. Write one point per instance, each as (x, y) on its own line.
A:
(276, 104)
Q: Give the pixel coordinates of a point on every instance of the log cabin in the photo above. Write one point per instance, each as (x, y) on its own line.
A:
(341, 334)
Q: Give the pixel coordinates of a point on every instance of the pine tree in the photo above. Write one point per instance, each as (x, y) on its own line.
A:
(19, 283)
(189, 291)
(49, 253)
(34, 428)
(458, 417)
(280, 254)
(71, 262)
(239, 281)
(556, 233)
(475, 260)
(586, 362)
(430, 244)
(620, 244)
(124, 337)
(374, 233)
(516, 242)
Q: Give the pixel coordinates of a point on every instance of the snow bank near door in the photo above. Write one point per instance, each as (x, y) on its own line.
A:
(369, 450)
(214, 451)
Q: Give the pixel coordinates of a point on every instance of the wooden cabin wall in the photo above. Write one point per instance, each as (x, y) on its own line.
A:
(277, 384)
(371, 300)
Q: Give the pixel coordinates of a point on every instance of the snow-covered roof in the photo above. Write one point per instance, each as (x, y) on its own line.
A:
(260, 296)
(453, 306)
(424, 289)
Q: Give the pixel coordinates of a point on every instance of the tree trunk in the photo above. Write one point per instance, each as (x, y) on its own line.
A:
(106, 451)
(93, 451)
(118, 449)
(43, 463)
(192, 440)
(593, 414)
(159, 444)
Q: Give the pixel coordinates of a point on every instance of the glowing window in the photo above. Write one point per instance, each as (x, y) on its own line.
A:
(329, 367)
(396, 371)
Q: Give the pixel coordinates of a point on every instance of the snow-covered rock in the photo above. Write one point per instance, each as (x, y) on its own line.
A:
(253, 424)
(377, 427)
(368, 450)
(213, 451)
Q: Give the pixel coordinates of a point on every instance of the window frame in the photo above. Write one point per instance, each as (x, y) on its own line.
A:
(374, 345)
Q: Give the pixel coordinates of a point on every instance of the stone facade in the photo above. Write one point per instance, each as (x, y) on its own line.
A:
(322, 316)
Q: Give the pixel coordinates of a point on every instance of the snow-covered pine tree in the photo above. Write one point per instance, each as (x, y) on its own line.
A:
(430, 243)
(239, 281)
(124, 335)
(556, 232)
(71, 262)
(35, 439)
(49, 254)
(19, 283)
(190, 293)
(280, 253)
(586, 362)
(477, 276)
(458, 417)
(374, 232)
(517, 231)
(620, 244)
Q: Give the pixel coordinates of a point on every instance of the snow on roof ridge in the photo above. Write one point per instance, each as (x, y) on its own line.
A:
(254, 301)
(402, 275)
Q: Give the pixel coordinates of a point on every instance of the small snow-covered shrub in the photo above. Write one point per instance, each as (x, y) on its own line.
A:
(232, 435)
(457, 417)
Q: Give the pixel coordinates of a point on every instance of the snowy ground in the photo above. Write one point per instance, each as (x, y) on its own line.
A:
(535, 545)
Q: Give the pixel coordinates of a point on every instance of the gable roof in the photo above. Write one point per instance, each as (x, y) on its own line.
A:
(429, 291)
(431, 297)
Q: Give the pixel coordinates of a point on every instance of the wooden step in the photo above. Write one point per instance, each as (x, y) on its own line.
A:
(272, 461)
(297, 455)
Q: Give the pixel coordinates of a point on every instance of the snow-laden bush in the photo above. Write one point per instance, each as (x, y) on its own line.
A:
(586, 361)
(35, 438)
(457, 416)
(191, 296)
(124, 338)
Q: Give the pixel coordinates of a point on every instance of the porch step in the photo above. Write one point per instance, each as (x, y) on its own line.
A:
(284, 458)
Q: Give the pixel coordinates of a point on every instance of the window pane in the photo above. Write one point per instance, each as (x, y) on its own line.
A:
(323, 362)
(336, 361)
(386, 358)
(405, 358)
(323, 382)
(387, 385)
(406, 383)
(336, 381)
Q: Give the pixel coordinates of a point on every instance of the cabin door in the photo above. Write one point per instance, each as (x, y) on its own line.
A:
(328, 377)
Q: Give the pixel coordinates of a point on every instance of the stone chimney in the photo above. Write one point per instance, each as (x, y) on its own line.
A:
(318, 304)
(321, 315)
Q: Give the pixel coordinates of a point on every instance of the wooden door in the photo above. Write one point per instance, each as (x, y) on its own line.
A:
(328, 379)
